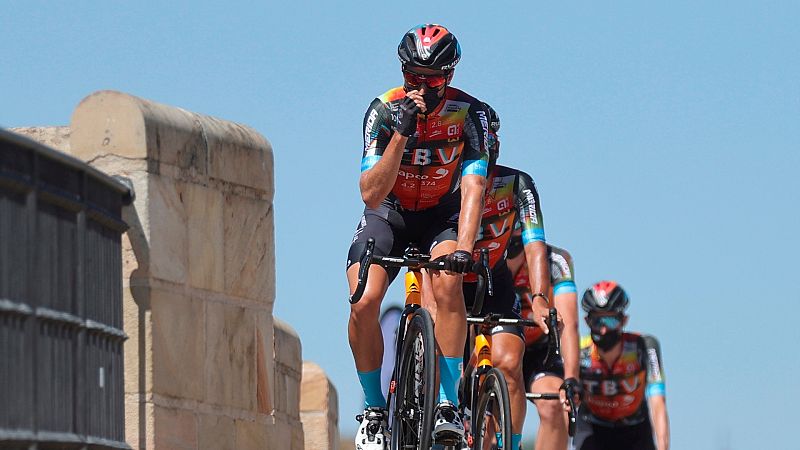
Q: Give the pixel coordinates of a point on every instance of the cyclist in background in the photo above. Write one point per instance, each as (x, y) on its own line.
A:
(552, 433)
(423, 174)
(511, 198)
(623, 379)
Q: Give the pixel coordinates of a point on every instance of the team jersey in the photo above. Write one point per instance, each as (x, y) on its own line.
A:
(511, 199)
(449, 143)
(562, 280)
(616, 395)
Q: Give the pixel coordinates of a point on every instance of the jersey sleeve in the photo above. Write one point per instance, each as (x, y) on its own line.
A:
(377, 132)
(476, 142)
(562, 271)
(655, 369)
(529, 207)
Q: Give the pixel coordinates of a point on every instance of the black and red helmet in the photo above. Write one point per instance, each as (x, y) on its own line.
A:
(430, 46)
(605, 296)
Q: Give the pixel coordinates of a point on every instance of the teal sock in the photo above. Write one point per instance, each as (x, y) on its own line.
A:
(516, 440)
(371, 384)
(449, 374)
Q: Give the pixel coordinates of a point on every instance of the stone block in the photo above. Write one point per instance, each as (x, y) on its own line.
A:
(317, 392)
(319, 408)
(298, 438)
(231, 357)
(168, 227)
(216, 433)
(317, 433)
(288, 350)
(108, 122)
(282, 435)
(249, 253)
(252, 435)
(265, 362)
(178, 344)
(239, 155)
(206, 238)
(175, 429)
(138, 348)
(53, 137)
(139, 422)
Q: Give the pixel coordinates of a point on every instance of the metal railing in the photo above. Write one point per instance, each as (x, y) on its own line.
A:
(61, 364)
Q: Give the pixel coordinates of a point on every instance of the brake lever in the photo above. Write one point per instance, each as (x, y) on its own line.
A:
(363, 271)
(554, 342)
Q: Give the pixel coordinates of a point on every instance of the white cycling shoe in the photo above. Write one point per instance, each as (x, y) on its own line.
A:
(447, 425)
(371, 434)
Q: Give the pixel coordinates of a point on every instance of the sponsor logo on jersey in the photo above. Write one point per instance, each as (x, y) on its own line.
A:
(437, 175)
(373, 115)
(532, 205)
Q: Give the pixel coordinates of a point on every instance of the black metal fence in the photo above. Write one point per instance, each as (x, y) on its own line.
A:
(61, 373)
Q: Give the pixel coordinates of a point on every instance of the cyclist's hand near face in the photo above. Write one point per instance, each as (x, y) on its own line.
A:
(416, 95)
(407, 117)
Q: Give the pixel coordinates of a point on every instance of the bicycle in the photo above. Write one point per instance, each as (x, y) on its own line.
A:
(553, 353)
(412, 392)
(485, 389)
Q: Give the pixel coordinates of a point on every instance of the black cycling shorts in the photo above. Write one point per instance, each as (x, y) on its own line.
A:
(589, 436)
(533, 363)
(394, 229)
(504, 301)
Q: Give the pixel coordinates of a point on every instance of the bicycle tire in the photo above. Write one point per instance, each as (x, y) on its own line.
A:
(492, 416)
(416, 386)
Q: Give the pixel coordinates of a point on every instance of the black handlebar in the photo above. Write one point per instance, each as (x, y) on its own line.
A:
(485, 285)
(415, 260)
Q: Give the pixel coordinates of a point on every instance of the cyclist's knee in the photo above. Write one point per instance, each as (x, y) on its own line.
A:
(509, 364)
(447, 289)
(367, 309)
(551, 413)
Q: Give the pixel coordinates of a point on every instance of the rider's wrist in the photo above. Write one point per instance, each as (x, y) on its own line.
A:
(541, 294)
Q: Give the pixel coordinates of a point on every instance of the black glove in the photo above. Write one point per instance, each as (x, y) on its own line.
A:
(572, 386)
(407, 117)
(459, 261)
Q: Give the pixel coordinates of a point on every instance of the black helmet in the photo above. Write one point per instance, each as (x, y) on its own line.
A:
(605, 296)
(430, 46)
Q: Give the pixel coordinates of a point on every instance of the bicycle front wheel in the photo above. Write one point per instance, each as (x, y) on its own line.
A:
(415, 397)
(492, 417)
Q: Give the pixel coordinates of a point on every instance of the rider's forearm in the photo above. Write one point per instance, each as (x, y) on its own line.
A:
(377, 182)
(472, 188)
(567, 305)
(658, 414)
(538, 268)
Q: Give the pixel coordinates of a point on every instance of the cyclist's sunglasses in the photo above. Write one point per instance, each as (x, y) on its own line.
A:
(610, 322)
(433, 81)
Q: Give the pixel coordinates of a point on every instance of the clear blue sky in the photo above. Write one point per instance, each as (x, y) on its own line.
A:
(664, 140)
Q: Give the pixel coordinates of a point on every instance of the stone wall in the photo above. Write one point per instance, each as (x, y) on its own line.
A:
(319, 409)
(206, 364)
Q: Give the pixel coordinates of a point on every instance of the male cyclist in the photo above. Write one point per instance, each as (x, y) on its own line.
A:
(423, 174)
(623, 379)
(552, 432)
(511, 198)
